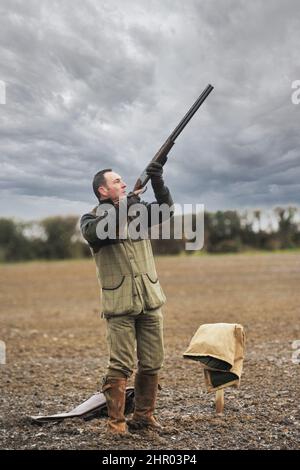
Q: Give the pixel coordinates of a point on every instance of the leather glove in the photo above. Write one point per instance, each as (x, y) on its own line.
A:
(132, 199)
(154, 170)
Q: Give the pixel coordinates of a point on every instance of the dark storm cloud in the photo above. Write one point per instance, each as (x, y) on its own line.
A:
(101, 84)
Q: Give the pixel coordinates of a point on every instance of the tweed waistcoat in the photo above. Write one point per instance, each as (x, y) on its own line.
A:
(127, 276)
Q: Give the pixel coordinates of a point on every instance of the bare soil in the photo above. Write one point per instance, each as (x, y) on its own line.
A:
(56, 354)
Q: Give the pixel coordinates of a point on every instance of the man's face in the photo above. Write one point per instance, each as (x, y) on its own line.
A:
(115, 187)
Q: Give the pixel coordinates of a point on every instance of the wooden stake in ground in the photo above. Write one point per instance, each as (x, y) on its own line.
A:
(220, 401)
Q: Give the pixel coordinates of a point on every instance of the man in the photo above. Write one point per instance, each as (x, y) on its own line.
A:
(131, 300)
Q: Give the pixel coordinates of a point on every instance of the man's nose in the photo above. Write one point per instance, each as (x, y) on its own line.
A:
(124, 185)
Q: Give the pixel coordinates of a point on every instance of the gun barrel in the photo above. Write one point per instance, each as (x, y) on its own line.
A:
(191, 112)
(166, 147)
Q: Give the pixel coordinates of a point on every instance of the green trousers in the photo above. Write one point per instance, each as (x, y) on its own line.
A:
(136, 335)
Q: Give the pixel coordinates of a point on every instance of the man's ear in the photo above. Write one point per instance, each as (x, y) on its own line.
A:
(103, 191)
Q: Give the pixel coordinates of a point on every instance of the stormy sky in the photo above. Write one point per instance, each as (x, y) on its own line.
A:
(94, 84)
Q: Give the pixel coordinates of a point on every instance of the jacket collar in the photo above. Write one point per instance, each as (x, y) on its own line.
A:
(106, 201)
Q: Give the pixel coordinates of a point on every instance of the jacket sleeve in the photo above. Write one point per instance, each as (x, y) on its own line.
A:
(162, 197)
(88, 227)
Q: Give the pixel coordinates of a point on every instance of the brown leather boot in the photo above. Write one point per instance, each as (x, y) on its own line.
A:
(145, 391)
(114, 389)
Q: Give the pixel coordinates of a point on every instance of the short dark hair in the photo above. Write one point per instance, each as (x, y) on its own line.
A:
(99, 180)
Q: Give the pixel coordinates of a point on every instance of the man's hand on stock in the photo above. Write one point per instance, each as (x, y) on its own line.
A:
(154, 170)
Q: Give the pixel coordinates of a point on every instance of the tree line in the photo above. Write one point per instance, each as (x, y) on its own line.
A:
(224, 232)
